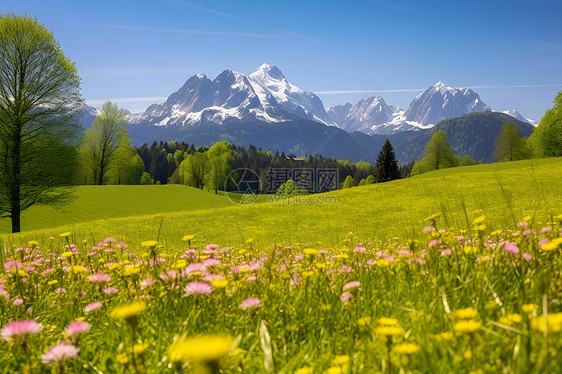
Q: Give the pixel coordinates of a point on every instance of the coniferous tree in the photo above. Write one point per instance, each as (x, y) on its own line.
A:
(386, 168)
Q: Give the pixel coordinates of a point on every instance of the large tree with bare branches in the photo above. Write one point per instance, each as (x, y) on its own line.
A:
(39, 102)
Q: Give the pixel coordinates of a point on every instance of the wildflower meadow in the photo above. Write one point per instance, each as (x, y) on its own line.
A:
(448, 301)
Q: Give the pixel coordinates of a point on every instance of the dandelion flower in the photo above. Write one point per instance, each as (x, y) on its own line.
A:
(206, 348)
(406, 348)
(467, 326)
(385, 321)
(22, 329)
(128, 311)
(466, 313)
(59, 353)
(340, 360)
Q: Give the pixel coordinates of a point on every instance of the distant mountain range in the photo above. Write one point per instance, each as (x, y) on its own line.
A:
(264, 109)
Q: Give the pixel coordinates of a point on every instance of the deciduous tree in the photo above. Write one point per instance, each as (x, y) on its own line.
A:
(39, 103)
(509, 143)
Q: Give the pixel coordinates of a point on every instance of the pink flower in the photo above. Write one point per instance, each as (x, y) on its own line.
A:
(360, 249)
(546, 229)
(351, 285)
(511, 248)
(543, 242)
(121, 245)
(18, 302)
(198, 288)
(527, 256)
(250, 303)
(146, 283)
(60, 290)
(371, 261)
(346, 269)
(101, 244)
(99, 278)
(428, 229)
(110, 290)
(404, 252)
(346, 296)
(211, 262)
(433, 243)
(17, 329)
(110, 240)
(446, 252)
(211, 247)
(92, 306)
(59, 353)
(9, 265)
(77, 328)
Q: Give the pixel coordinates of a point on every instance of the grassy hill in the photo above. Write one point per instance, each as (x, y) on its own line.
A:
(505, 191)
(105, 202)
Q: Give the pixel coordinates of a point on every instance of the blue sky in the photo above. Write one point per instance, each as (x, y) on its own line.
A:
(139, 51)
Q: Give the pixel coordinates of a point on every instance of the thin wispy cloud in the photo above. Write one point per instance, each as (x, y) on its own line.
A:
(339, 92)
(195, 32)
(303, 37)
(200, 7)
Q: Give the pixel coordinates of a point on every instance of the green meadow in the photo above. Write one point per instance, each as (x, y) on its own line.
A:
(507, 192)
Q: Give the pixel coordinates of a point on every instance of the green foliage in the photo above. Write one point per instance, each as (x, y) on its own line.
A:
(438, 153)
(39, 101)
(370, 179)
(466, 160)
(290, 188)
(348, 182)
(386, 168)
(146, 179)
(509, 144)
(546, 140)
(220, 160)
(194, 170)
(107, 147)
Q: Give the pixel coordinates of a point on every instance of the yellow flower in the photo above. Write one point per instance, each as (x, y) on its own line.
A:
(479, 220)
(337, 370)
(242, 251)
(67, 254)
(22, 273)
(77, 269)
(305, 370)
(64, 235)
(244, 268)
(128, 311)
(511, 319)
(467, 326)
(180, 264)
(385, 321)
(131, 270)
(306, 274)
(466, 313)
(340, 360)
(249, 241)
(549, 246)
(364, 321)
(149, 243)
(54, 281)
(553, 322)
(406, 348)
(188, 237)
(446, 335)
(219, 283)
(33, 243)
(206, 348)
(382, 263)
(480, 227)
(122, 358)
(81, 319)
(529, 308)
(310, 251)
(469, 249)
(389, 330)
(138, 349)
(343, 255)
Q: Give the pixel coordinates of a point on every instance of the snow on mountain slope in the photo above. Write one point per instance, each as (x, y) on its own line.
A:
(265, 95)
(515, 114)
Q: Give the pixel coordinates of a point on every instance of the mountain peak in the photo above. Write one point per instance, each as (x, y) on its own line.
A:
(267, 71)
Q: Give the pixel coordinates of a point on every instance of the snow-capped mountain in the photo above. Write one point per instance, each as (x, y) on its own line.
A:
(265, 95)
(268, 78)
(515, 114)
(440, 102)
(367, 113)
(373, 116)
